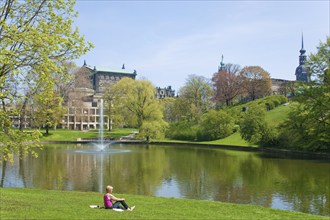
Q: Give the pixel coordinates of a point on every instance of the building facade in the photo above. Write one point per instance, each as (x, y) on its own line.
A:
(84, 107)
(162, 93)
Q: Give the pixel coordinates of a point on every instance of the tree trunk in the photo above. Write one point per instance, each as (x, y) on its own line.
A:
(47, 129)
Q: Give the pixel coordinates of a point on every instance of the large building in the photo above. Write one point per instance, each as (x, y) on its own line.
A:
(83, 109)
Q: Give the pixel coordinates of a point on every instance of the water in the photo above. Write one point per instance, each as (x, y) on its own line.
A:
(180, 172)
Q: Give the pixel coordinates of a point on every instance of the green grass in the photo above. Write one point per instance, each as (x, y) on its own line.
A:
(51, 204)
(274, 117)
(234, 139)
(277, 115)
(73, 135)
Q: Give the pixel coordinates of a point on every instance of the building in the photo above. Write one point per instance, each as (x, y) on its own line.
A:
(83, 109)
(162, 93)
(100, 77)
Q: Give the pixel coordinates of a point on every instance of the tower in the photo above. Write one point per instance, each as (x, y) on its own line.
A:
(301, 70)
(222, 64)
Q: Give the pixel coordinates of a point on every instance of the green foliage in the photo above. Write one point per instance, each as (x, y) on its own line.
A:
(153, 129)
(48, 110)
(255, 129)
(195, 98)
(215, 125)
(183, 130)
(19, 143)
(35, 36)
(308, 124)
(137, 99)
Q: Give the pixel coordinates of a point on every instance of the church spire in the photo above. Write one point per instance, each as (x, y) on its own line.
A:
(301, 70)
(302, 57)
(302, 50)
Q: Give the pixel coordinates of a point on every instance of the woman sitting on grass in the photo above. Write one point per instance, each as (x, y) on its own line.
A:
(109, 198)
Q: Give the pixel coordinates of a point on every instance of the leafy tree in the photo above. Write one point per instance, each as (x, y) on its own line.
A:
(227, 84)
(35, 36)
(195, 96)
(215, 125)
(254, 128)
(256, 81)
(153, 129)
(138, 98)
(308, 124)
(182, 130)
(48, 110)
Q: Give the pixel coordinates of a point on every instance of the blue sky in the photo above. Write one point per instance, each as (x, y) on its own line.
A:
(166, 41)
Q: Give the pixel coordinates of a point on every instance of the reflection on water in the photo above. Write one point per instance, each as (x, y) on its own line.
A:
(181, 172)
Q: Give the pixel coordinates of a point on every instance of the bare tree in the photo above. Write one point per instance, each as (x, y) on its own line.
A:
(227, 84)
(256, 81)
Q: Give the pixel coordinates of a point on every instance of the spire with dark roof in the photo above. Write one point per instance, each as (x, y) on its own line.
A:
(302, 50)
(302, 57)
(85, 63)
(301, 70)
(123, 67)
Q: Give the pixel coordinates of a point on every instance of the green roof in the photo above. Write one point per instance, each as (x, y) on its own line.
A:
(111, 70)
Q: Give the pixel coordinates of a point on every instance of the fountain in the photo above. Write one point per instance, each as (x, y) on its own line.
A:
(101, 145)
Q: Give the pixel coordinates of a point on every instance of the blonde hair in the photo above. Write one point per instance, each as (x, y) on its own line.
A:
(109, 188)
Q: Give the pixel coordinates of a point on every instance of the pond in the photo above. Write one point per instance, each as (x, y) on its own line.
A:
(178, 171)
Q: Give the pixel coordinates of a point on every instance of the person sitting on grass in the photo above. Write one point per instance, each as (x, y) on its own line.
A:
(109, 199)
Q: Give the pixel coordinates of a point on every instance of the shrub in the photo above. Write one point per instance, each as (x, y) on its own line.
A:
(215, 125)
(183, 130)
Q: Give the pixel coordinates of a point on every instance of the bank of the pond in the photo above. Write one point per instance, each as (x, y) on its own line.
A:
(274, 151)
(51, 204)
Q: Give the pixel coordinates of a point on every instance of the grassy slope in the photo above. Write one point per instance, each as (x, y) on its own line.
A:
(273, 117)
(51, 204)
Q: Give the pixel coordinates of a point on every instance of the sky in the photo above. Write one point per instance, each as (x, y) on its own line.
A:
(166, 41)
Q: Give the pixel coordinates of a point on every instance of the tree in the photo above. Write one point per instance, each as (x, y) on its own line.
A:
(110, 95)
(308, 124)
(256, 81)
(35, 36)
(286, 88)
(48, 110)
(138, 98)
(215, 125)
(227, 84)
(254, 128)
(196, 97)
(65, 83)
(153, 129)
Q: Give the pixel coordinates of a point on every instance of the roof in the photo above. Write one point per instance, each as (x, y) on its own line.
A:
(110, 70)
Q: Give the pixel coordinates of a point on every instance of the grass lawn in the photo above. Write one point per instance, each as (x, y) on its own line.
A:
(73, 135)
(277, 115)
(52, 204)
